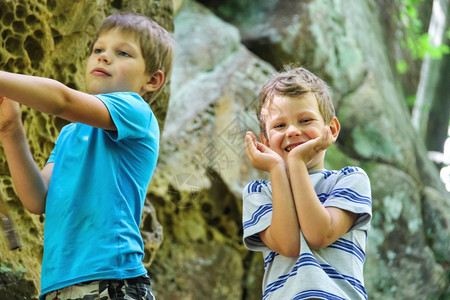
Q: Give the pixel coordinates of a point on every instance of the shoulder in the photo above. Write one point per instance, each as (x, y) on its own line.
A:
(346, 172)
(348, 180)
(257, 187)
(351, 170)
(123, 99)
(119, 95)
(348, 188)
(131, 115)
(353, 175)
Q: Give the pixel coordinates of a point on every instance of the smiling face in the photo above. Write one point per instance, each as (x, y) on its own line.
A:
(292, 121)
(116, 64)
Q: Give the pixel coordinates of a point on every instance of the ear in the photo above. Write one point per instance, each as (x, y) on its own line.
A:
(264, 140)
(335, 128)
(155, 82)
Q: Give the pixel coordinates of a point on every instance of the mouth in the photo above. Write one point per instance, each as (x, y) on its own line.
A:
(100, 72)
(291, 146)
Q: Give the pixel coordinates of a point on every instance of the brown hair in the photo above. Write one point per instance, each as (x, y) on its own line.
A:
(295, 82)
(157, 44)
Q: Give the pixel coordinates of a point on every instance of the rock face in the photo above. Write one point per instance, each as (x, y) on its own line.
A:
(215, 84)
(192, 219)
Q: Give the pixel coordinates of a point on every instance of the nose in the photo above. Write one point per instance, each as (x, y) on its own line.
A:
(292, 131)
(104, 57)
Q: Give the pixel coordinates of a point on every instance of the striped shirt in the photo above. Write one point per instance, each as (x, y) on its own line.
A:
(333, 272)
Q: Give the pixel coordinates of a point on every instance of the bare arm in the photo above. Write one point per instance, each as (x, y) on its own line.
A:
(31, 185)
(52, 97)
(283, 234)
(320, 225)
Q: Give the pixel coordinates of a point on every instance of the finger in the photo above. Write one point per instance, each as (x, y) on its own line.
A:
(316, 145)
(249, 145)
(253, 139)
(329, 135)
(252, 136)
(261, 147)
(325, 140)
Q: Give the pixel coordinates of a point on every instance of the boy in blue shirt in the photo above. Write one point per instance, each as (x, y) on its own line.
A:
(310, 223)
(93, 187)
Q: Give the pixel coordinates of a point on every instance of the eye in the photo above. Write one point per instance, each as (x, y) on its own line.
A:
(97, 50)
(279, 126)
(124, 53)
(305, 120)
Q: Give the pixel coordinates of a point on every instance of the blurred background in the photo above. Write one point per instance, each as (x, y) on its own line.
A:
(388, 66)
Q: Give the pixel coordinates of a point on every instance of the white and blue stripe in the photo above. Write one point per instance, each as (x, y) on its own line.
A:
(269, 258)
(304, 260)
(334, 272)
(349, 247)
(316, 294)
(307, 259)
(347, 194)
(256, 186)
(258, 214)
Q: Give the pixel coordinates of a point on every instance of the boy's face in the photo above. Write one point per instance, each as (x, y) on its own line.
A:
(292, 121)
(116, 64)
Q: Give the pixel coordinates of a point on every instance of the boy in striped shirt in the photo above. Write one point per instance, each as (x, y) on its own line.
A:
(310, 223)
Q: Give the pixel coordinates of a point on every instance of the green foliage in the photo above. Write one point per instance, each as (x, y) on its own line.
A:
(417, 40)
(423, 47)
(410, 100)
(402, 66)
(335, 159)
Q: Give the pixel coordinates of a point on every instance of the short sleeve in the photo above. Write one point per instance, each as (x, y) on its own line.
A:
(129, 112)
(352, 192)
(257, 213)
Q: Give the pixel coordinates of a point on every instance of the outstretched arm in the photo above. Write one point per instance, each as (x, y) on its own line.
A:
(283, 235)
(31, 185)
(54, 98)
(320, 225)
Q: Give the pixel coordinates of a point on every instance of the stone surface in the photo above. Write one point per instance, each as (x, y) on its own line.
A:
(346, 45)
(346, 48)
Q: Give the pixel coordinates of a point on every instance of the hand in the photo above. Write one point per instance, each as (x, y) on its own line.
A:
(309, 150)
(261, 156)
(10, 114)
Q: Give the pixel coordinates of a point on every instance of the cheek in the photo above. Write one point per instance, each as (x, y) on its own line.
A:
(276, 139)
(90, 60)
(128, 74)
(312, 133)
(89, 66)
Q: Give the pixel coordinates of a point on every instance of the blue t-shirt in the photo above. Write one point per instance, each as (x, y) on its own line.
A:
(96, 195)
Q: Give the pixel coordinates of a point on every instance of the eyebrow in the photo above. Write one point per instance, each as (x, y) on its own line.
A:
(277, 119)
(127, 45)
